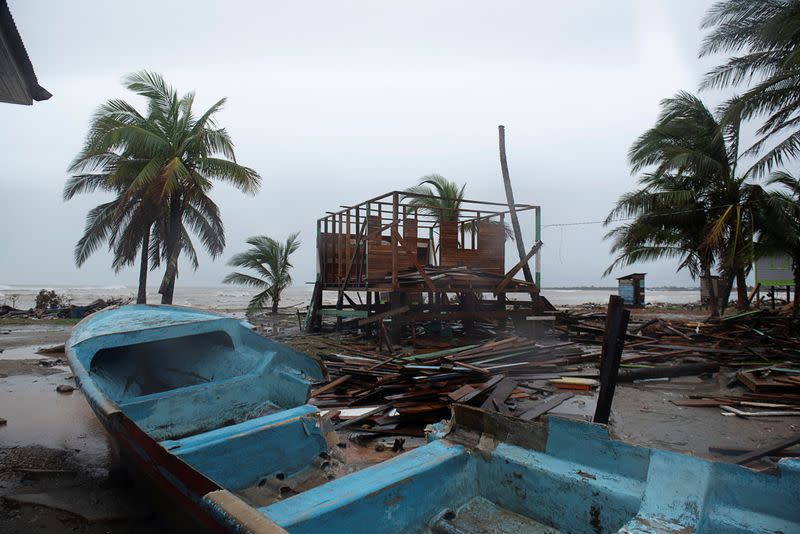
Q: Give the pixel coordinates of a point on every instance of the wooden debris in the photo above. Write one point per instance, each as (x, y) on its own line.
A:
(545, 406)
(766, 451)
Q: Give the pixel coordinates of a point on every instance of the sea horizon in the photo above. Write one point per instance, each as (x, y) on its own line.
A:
(233, 298)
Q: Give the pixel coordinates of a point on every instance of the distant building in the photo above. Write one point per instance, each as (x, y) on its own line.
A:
(631, 289)
(18, 83)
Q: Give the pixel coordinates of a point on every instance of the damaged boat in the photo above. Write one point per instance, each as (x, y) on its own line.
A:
(216, 417)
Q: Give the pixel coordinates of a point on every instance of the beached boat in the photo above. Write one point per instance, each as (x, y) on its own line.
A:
(216, 417)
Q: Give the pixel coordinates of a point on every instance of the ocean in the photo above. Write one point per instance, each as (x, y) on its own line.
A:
(234, 299)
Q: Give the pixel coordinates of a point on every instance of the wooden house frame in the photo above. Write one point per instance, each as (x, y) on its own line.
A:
(406, 259)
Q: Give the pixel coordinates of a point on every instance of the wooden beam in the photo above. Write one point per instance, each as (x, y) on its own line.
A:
(545, 406)
(414, 260)
(613, 342)
(331, 385)
(766, 451)
(385, 315)
(515, 269)
(395, 259)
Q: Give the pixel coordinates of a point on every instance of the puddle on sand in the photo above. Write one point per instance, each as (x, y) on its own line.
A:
(38, 415)
(28, 353)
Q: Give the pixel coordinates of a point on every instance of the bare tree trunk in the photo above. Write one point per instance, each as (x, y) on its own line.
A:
(141, 297)
(167, 288)
(512, 211)
(741, 290)
(275, 306)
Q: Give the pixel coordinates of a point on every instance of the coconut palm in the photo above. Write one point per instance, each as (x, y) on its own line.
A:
(692, 160)
(441, 198)
(766, 37)
(269, 260)
(120, 224)
(669, 222)
(780, 223)
(168, 158)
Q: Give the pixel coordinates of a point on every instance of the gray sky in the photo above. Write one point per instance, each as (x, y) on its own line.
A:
(337, 102)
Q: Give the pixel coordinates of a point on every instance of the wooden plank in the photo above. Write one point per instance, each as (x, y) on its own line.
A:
(385, 315)
(470, 366)
(483, 387)
(347, 242)
(515, 269)
(545, 406)
(330, 312)
(362, 417)
(395, 220)
(331, 385)
(766, 451)
(702, 403)
(464, 390)
(499, 395)
(413, 255)
(769, 413)
(617, 318)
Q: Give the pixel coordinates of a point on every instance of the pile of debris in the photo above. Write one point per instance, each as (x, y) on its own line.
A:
(749, 338)
(400, 394)
(61, 312)
(762, 348)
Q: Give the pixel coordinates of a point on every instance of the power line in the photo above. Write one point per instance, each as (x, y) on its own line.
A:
(621, 219)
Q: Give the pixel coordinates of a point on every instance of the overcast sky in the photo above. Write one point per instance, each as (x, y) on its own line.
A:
(337, 102)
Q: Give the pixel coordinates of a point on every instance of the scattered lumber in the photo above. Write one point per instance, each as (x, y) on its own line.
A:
(766, 451)
(413, 390)
(545, 406)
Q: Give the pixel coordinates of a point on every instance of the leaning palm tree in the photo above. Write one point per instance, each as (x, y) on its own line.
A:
(669, 221)
(765, 35)
(269, 260)
(169, 156)
(691, 157)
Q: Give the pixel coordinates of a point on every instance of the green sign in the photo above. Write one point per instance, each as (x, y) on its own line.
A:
(774, 271)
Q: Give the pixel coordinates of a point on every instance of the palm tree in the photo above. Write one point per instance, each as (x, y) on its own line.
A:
(669, 221)
(780, 224)
(692, 159)
(441, 198)
(169, 158)
(269, 259)
(766, 35)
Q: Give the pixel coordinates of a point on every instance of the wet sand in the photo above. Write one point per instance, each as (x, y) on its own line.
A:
(53, 450)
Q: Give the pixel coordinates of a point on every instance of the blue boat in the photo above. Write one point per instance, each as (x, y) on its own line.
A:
(215, 417)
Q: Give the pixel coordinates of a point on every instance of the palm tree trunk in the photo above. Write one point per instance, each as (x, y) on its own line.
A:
(275, 306)
(167, 288)
(141, 298)
(526, 270)
(741, 290)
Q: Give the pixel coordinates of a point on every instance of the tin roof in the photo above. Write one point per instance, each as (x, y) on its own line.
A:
(18, 82)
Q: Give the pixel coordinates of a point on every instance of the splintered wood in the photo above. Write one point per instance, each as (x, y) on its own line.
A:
(762, 346)
(405, 393)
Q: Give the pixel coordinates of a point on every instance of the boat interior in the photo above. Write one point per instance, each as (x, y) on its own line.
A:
(232, 405)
